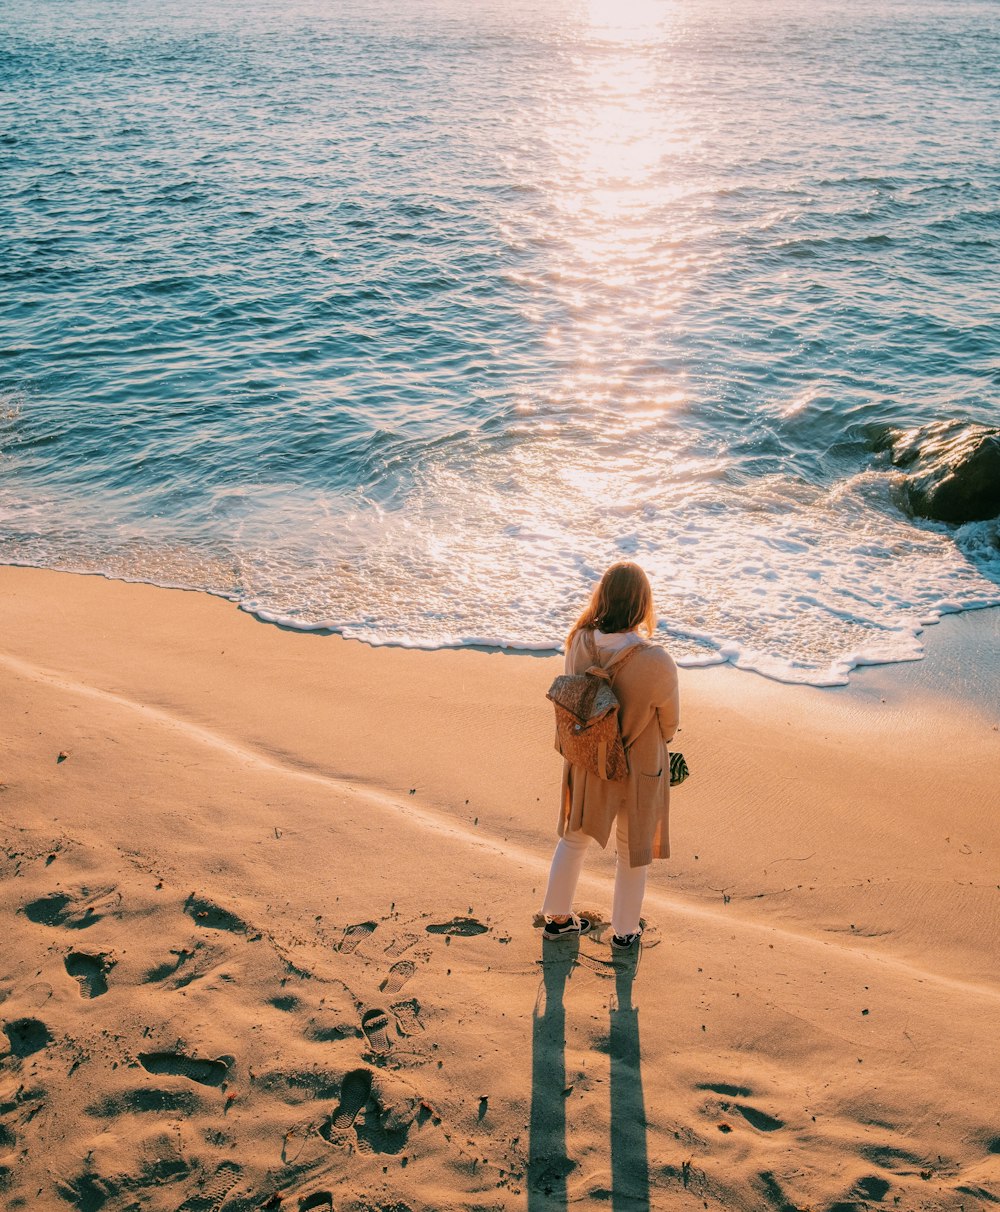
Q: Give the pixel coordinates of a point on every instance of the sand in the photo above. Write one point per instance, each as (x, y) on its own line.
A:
(267, 904)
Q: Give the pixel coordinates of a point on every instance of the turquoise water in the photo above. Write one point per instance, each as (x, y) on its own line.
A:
(405, 319)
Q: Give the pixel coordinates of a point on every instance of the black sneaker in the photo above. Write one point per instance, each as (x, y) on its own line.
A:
(625, 942)
(572, 925)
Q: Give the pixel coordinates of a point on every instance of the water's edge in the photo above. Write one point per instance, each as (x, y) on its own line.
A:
(768, 671)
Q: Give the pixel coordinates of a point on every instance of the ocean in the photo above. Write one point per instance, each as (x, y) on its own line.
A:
(404, 320)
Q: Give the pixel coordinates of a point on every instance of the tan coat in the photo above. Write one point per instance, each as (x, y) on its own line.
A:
(646, 687)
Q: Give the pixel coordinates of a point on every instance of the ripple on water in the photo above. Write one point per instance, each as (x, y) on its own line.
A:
(406, 320)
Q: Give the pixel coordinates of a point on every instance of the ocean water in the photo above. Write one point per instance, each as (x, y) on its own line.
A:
(406, 319)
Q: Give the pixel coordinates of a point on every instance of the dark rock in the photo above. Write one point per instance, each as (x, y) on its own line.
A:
(953, 470)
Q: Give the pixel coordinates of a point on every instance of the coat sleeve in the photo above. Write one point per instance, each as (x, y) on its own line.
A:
(668, 702)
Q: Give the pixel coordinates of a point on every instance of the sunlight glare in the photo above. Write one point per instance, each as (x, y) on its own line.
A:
(628, 21)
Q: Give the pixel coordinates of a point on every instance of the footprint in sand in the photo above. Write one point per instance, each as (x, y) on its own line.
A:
(408, 1016)
(59, 909)
(399, 974)
(331, 1027)
(463, 927)
(891, 1158)
(87, 1191)
(317, 1199)
(210, 916)
(48, 910)
(730, 1091)
(354, 935)
(376, 1025)
(604, 967)
(162, 971)
(90, 970)
(143, 1101)
(176, 1064)
(759, 1119)
(287, 1003)
(389, 1106)
(401, 944)
(26, 1036)
(212, 1196)
(354, 1091)
(872, 1187)
(773, 1191)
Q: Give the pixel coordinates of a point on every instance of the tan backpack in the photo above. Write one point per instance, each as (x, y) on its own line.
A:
(588, 731)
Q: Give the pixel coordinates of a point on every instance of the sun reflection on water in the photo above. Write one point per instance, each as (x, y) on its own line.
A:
(617, 218)
(630, 21)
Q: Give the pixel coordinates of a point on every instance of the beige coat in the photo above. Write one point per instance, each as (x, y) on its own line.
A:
(646, 687)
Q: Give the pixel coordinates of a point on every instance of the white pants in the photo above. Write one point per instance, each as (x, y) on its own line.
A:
(567, 863)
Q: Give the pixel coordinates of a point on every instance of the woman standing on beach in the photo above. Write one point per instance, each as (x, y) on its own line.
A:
(618, 616)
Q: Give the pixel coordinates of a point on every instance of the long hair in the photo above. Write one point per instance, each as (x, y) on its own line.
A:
(623, 600)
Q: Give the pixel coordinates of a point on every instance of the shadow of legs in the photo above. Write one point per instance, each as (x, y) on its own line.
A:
(548, 1164)
(629, 1162)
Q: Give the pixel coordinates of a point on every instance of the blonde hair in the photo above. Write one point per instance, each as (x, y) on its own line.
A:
(622, 601)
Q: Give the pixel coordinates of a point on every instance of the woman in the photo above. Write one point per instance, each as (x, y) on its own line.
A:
(620, 614)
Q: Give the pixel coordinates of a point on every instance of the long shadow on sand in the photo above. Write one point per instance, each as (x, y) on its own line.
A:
(629, 1159)
(549, 1165)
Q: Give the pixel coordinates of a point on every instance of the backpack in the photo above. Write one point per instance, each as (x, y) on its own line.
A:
(588, 733)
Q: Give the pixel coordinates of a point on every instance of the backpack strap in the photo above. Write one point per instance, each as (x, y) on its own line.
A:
(623, 655)
(617, 661)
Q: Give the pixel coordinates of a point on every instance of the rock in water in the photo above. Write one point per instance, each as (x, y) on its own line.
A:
(953, 470)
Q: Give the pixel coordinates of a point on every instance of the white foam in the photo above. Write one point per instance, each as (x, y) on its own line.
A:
(771, 577)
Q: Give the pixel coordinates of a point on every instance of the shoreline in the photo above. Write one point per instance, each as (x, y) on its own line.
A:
(304, 871)
(864, 669)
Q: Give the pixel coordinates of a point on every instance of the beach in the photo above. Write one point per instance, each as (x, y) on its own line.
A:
(344, 348)
(268, 904)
